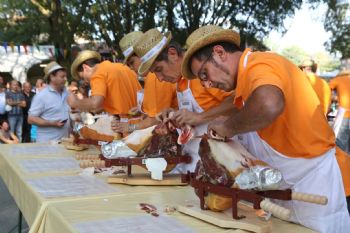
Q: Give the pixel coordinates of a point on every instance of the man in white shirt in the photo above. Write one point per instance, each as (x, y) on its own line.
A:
(3, 114)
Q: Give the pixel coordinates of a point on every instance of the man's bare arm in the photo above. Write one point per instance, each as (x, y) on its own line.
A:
(33, 120)
(91, 104)
(264, 105)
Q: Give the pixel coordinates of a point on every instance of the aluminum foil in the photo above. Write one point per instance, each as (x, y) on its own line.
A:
(117, 149)
(259, 178)
(77, 126)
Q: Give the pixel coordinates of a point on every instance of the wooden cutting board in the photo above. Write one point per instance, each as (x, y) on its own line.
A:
(145, 179)
(224, 219)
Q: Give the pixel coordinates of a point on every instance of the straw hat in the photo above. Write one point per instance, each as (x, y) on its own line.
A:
(343, 73)
(307, 63)
(51, 67)
(83, 56)
(202, 37)
(149, 46)
(127, 42)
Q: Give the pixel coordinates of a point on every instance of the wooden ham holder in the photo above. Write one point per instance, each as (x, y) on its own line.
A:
(249, 221)
(129, 178)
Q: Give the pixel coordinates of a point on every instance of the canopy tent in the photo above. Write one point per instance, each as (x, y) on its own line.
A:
(17, 63)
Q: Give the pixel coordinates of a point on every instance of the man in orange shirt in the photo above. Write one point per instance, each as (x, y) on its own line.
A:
(197, 105)
(155, 96)
(341, 84)
(320, 86)
(113, 85)
(277, 121)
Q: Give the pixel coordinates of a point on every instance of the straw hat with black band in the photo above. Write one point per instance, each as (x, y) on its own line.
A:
(127, 42)
(81, 58)
(51, 67)
(149, 46)
(202, 37)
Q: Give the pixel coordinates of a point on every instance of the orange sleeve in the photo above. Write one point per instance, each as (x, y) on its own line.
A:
(264, 75)
(98, 83)
(218, 94)
(333, 83)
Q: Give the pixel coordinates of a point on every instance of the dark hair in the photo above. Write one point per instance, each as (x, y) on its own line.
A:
(163, 56)
(206, 51)
(90, 62)
(70, 83)
(54, 74)
(2, 122)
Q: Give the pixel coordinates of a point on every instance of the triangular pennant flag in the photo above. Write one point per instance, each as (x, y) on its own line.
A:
(5, 46)
(51, 52)
(25, 48)
(62, 52)
(32, 49)
(57, 53)
(12, 47)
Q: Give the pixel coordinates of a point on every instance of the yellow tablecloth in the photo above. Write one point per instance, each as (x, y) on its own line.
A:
(31, 203)
(50, 215)
(61, 217)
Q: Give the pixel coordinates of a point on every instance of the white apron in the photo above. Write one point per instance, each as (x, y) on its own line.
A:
(339, 119)
(140, 95)
(320, 175)
(187, 101)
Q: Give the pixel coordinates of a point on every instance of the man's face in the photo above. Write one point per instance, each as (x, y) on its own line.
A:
(86, 74)
(5, 126)
(170, 70)
(39, 83)
(59, 79)
(134, 63)
(14, 86)
(27, 87)
(213, 72)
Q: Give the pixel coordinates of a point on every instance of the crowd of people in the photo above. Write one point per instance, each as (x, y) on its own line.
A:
(15, 102)
(275, 109)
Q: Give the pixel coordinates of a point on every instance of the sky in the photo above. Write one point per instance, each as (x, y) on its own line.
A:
(305, 29)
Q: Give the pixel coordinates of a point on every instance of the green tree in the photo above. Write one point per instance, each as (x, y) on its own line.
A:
(295, 54)
(337, 22)
(43, 21)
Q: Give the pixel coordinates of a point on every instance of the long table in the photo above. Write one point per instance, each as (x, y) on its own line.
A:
(26, 172)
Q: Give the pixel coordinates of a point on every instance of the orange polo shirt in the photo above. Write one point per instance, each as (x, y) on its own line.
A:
(158, 95)
(342, 85)
(344, 164)
(117, 84)
(322, 89)
(207, 98)
(302, 129)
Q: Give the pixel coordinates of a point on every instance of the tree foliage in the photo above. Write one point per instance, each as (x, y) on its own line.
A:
(338, 23)
(58, 21)
(325, 62)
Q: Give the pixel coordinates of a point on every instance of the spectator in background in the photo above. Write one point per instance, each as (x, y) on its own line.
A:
(15, 99)
(28, 96)
(49, 109)
(74, 83)
(39, 85)
(6, 136)
(2, 81)
(3, 114)
(320, 86)
(341, 84)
